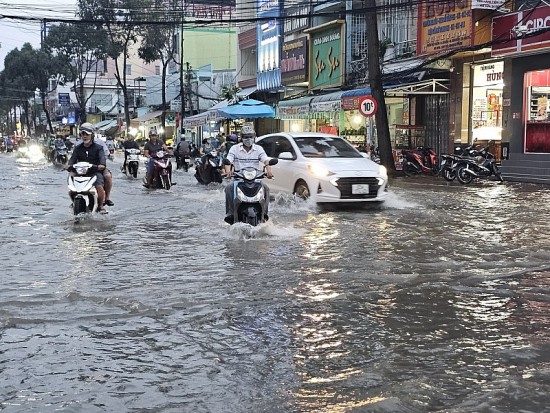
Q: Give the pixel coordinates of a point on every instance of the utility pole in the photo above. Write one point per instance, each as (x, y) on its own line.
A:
(377, 88)
(182, 97)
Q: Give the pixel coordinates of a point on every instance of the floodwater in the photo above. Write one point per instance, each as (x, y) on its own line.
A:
(437, 301)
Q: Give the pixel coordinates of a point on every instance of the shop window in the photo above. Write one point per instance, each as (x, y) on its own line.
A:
(537, 111)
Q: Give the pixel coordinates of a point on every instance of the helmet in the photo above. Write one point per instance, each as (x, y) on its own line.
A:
(153, 132)
(87, 127)
(233, 137)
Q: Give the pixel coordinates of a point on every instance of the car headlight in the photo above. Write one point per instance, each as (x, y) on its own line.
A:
(318, 170)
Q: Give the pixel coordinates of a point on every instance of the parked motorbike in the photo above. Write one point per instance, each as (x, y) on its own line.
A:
(162, 172)
(482, 165)
(81, 188)
(209, 170)
(449, 163)
(249, 200)
(132, 162)
(420, 160)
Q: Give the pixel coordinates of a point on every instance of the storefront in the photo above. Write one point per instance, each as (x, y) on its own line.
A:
(537, 111)
(482, 97)
(294, 114)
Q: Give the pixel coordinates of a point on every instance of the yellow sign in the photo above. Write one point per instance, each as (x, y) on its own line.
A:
(444, 26)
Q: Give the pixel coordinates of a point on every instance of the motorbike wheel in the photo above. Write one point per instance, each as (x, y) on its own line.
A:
(409, 169)
(463, 177)
(79, 206)
(448, 174)
(133, 170)
(435, 169)
(497, 173)
(301, 190)
(165, 182)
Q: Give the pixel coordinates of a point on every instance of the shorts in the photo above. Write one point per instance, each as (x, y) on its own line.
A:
(99, 179)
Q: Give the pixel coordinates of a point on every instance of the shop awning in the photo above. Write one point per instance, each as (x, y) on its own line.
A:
(425, 87)
(293, 108)
(196, 120)
(328, 102)
(148, 116)
(108, 127)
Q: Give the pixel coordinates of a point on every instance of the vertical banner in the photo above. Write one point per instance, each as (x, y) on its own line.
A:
(326, 59)
(268, 45)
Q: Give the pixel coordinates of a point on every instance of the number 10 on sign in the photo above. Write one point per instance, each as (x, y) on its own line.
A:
(368, 106)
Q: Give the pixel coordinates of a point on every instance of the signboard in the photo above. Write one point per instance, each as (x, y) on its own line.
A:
(294, 61)
(367, 106)
(294, 24)
(507, 39)
(326, 58)
(487, 4)
(444, 26)
(64, 99)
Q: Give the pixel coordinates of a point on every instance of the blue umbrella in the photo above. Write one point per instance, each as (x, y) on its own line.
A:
(247, 109)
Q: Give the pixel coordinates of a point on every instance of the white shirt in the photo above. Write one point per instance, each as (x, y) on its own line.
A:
(241, 158)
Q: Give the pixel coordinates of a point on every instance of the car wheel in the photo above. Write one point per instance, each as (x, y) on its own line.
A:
(301, 190)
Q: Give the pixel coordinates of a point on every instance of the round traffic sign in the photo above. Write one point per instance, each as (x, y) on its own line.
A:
(367, 106)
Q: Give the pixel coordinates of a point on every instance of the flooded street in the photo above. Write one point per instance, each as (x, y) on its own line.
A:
(438, 300)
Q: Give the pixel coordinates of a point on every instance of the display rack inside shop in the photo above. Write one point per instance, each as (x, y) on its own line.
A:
(409, 136)
(538, 102)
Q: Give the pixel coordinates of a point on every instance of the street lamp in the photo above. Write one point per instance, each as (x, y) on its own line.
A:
(137, 98)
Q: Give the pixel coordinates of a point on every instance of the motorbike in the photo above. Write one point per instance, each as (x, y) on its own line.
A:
(183, 162)
(82, 190)
(249, 200)
(482, 165)
(420, 160)
(132, 162)
(61, 155)
(209, 170)
(162, 173)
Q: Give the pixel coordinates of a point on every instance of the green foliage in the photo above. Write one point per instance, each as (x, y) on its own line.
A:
(230, 93)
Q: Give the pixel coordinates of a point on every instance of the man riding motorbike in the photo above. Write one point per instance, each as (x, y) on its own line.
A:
(183, 151)
(244, 154)
(91, 152)
(129, 143)
(152, 147)
(108, 177)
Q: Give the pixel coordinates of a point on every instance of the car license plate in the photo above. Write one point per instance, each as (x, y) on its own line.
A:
(360, 189)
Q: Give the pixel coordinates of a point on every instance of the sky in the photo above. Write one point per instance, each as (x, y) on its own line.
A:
(15, 32)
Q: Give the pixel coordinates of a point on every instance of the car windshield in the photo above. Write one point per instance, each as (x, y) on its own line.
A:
(325, 147)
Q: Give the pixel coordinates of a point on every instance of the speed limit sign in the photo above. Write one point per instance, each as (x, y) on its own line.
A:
(367, 106)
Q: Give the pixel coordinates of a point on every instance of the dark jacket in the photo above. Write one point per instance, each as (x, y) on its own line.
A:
(94, 155)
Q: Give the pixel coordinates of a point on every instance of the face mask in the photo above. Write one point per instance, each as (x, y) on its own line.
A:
(248, 142)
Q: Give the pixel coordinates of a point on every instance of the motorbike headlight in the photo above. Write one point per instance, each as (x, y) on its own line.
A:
(249, 175)
(318, 170)
(250, 199)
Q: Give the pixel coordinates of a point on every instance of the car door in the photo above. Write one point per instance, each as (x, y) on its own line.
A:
(282, 172)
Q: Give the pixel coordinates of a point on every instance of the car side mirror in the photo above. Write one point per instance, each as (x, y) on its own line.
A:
(286, 155)
(273, 161)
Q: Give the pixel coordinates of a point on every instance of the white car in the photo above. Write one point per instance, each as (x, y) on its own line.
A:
(323, 167)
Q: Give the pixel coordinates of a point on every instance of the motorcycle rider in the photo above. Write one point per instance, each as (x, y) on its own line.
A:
(107, 175)
(232, 140)
(92, 152)
(129, 143)
(151, 148)
(244, 154)
(183, 151)
(58, 143)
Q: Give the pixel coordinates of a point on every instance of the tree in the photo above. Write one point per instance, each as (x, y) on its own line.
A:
(158, 43)
(375, 79)
(31, 69)
(121, 21)
(83, 48)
